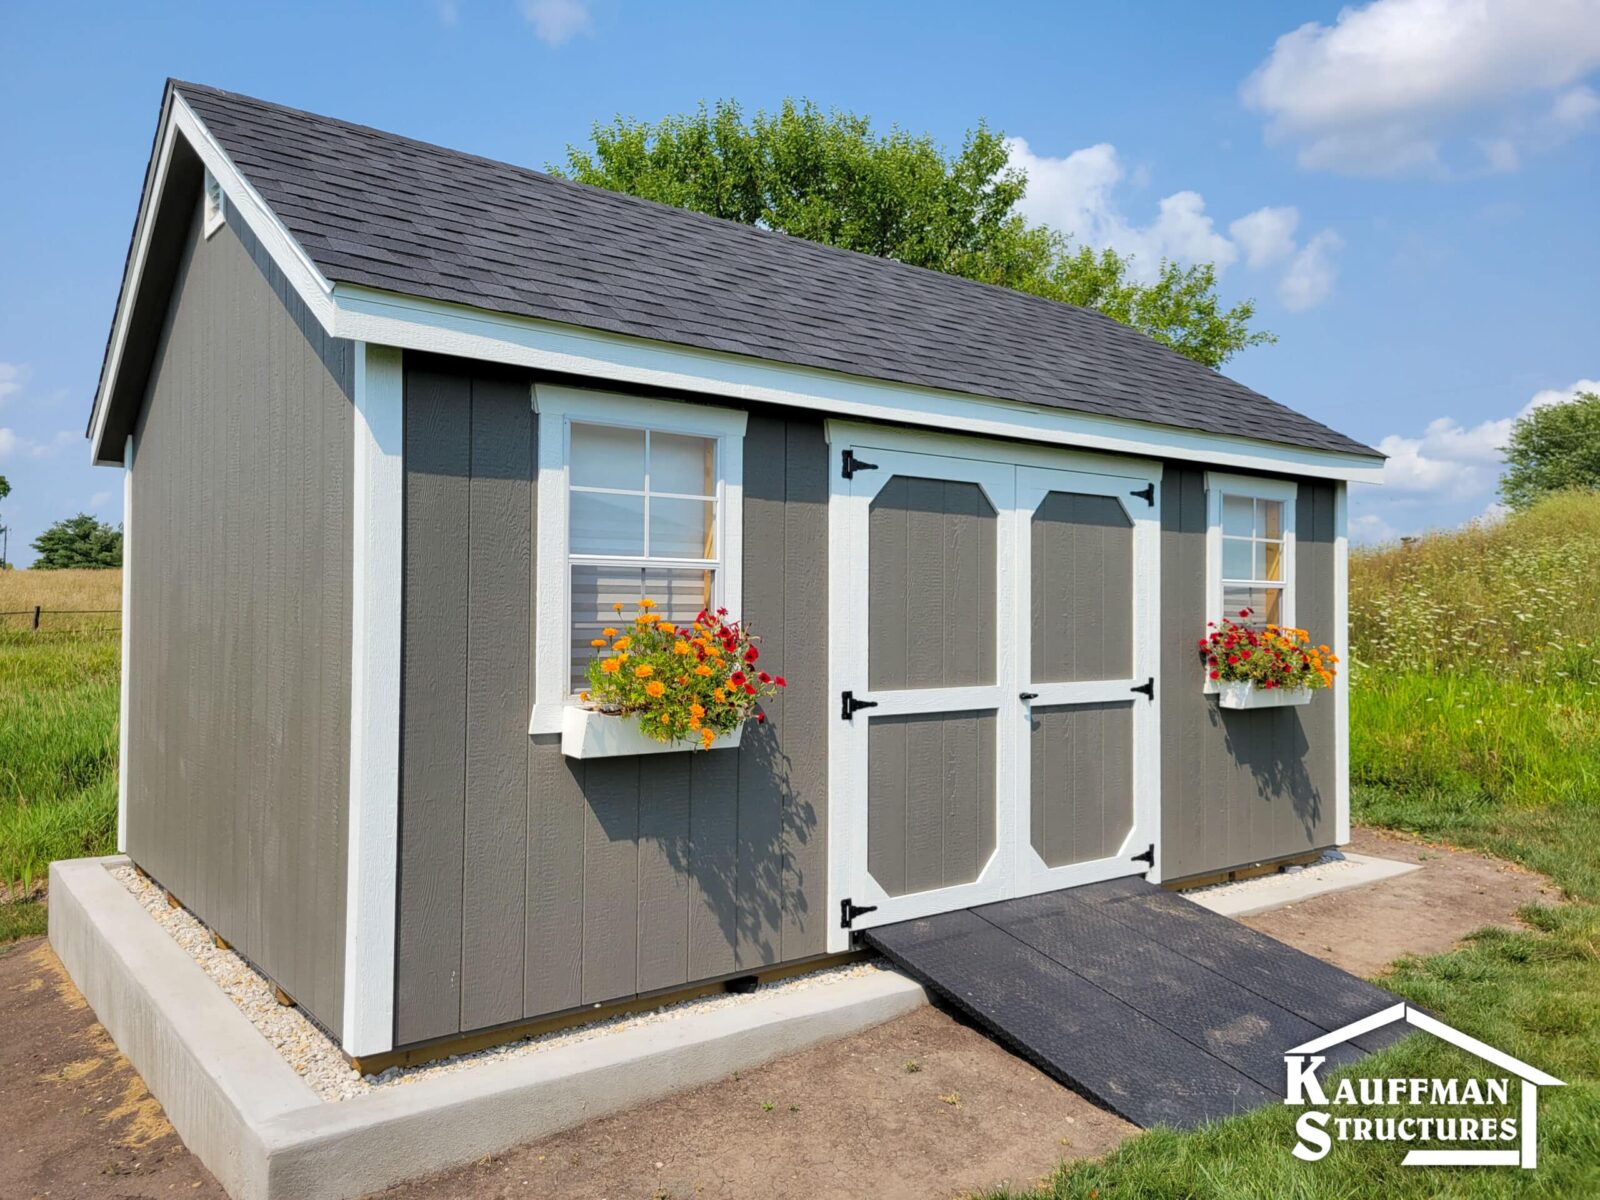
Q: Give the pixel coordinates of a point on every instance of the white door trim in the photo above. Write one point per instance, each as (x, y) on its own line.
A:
(847, 663)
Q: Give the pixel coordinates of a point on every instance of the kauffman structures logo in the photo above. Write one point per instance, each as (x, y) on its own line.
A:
(1497, 1124)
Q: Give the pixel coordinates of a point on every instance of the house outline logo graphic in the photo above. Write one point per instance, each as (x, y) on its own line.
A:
(1302, 1061)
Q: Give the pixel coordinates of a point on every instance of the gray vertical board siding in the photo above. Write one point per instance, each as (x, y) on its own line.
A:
(499, 538)
(1239, 786)
(239, 613)
(930, 799)
(433, 690)
(608, 877)
(1081, 781)
(1082, 589)
(931, 603)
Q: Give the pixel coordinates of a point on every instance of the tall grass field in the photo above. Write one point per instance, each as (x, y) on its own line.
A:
(58, 731)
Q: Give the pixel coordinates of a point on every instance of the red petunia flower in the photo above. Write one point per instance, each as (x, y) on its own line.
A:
(750, 689)
(736, 678)
(780, 681)
(752, 654)
(764, 677)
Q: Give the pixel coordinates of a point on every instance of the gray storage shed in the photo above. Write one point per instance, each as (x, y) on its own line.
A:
(398, 424)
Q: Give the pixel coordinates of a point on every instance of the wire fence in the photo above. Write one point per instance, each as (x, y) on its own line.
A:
(39, 619)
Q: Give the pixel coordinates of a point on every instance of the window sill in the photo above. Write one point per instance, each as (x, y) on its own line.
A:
(589, 734)
(1248, 695)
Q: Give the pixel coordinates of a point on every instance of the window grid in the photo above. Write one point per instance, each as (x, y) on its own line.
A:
(1265, 550)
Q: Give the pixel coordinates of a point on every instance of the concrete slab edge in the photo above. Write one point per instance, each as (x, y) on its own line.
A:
(1263, 895)
(214, 1074)
(267, 1137)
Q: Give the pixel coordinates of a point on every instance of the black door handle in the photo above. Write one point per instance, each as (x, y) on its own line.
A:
(1026, 696)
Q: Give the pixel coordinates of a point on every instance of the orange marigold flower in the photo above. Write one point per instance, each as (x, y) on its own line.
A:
(707, 737)
(720, 695)
(655, 687)
(611, 666)
(608, 632)
(680, 646)
(647, 603)
(597, 641)
(694, 722)
(644, 670)
(622, 643)
(617, 607)
(668, 627)
(697, 710)
(666, 719)
(702, 669)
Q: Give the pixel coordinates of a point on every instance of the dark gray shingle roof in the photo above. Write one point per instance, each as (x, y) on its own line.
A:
(388, 212)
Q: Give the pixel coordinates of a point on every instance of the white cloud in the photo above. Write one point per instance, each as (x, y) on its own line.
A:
(1443, 477)
(1266, 235)
(1308, 279)
(12, 377)
(1458, 462)
(557, 22)
(1380, 90)
(99, 499)
(1078, 194)
(48, 449)
(1574, 110)
(9, 441)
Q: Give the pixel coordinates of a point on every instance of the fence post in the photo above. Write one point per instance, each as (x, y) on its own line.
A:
(36, 618)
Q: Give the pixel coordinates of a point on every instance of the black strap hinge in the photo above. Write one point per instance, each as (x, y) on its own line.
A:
(1148, 858)
(852, 464)
(1148, 687)
(1147, 493)
(848, 912)
(850, 704)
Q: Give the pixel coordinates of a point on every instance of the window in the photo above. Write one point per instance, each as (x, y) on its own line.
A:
(636, 497)
(642, 514)
(214, 200)
(1250, 549)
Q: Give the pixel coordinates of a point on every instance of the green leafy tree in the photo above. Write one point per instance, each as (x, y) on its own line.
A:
(79, 541)
(830, 177)
(1553, 449)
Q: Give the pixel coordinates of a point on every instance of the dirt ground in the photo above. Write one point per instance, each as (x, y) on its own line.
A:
(1424, 912)
(847, 1119)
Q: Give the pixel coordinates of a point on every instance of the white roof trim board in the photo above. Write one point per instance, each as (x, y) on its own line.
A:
(395, 242)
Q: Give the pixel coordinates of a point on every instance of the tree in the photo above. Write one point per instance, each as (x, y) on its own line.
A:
(832, 178)
(1553, 449)
(79, 541)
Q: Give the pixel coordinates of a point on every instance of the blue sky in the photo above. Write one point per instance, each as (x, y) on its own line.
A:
(1406, 187)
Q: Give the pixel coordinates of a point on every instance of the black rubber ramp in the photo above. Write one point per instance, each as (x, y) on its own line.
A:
(1159, 1010)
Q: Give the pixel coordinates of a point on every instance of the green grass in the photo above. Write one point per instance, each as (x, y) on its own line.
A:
(58, 757)
(1475, 720)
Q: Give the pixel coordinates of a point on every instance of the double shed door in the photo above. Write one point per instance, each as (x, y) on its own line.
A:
(992, 626)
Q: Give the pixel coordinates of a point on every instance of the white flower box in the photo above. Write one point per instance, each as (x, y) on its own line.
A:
(1248, 695)
(586, 733)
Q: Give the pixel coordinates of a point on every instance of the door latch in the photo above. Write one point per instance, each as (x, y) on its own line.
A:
(1148, 858)
(850, 704)
(1026, 696)
(852, 464)
(1147, 688)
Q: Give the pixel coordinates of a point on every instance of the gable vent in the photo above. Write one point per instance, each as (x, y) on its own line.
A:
(215, 212)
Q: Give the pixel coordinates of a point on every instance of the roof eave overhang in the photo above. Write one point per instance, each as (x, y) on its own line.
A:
(409, 322)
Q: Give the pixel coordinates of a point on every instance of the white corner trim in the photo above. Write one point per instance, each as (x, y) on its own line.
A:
(127, 642)
(434, 326)
(1218, 484)
(1341, 647)
(374, 823)
(557, 407)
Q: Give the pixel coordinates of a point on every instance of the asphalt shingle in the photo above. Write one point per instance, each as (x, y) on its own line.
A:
(384, 211)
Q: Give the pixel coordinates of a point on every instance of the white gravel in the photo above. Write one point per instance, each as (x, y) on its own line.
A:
(316, 1059)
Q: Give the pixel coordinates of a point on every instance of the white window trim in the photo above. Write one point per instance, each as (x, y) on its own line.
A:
(1219, 485)
(558, 407)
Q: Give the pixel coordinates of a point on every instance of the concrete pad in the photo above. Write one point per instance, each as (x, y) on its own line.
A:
(1323, 878)
(266, 1136)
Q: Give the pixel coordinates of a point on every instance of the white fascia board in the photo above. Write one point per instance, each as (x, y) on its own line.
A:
(179, 120)
(428, 325)
(377, 530)
(1341, 647)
